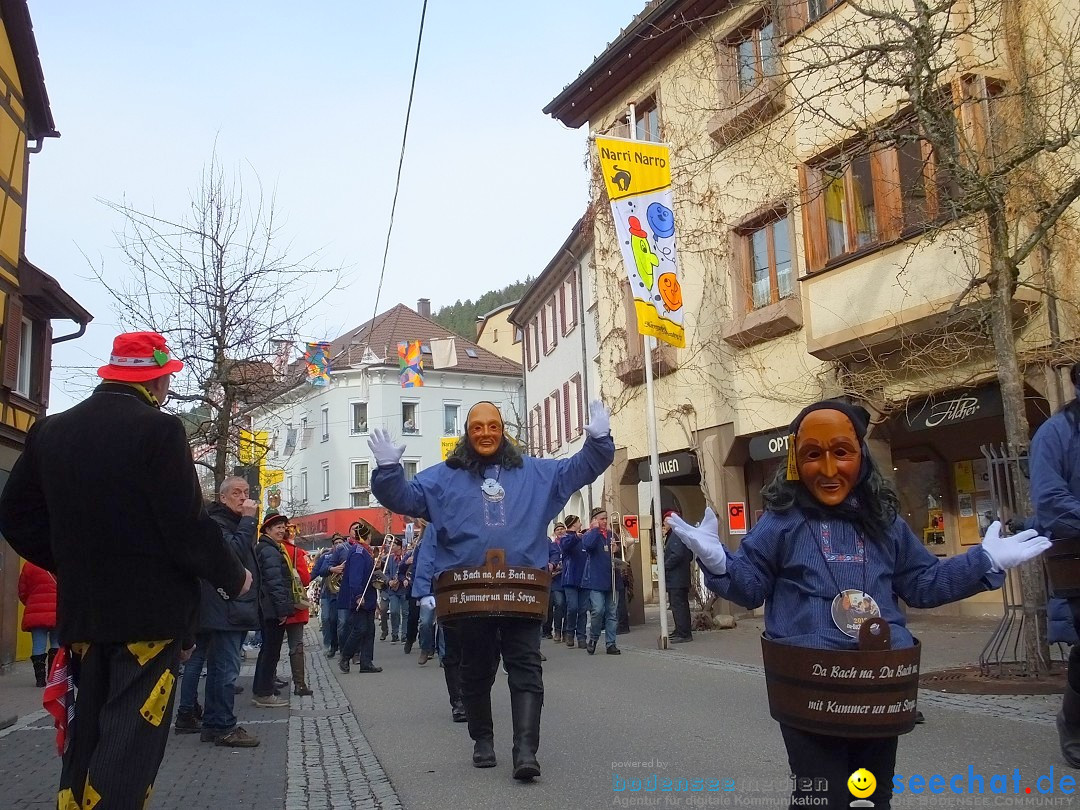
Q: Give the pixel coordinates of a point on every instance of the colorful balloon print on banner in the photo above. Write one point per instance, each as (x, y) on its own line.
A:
(317, 358)
(638, 179)
(411, 364)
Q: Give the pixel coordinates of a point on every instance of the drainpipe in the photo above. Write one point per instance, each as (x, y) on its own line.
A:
(72, 336)
(584, 350)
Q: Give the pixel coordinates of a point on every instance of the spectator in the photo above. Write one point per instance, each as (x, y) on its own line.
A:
(128, 591)
(300, 574)
(275, 606)
(37, 592)
(573, 561)
(329, 565)
(598, 579)
(677, 559)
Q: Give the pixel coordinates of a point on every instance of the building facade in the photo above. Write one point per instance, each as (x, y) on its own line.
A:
(557, 320)
(29, 298)
(317, 443)
(818, 258)
(495, 333)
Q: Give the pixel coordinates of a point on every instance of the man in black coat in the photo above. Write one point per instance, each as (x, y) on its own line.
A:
(223, 625)
(128, 580)
(677, 559)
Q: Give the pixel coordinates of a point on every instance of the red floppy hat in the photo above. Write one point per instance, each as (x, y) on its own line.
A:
(139, 357)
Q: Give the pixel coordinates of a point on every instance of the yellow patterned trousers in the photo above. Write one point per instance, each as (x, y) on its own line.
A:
(121, 726)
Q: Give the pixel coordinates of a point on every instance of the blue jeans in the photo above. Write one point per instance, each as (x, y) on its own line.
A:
(396, 607)
(427, 629)
(43, 639)
(328, 615)
(193, 670)
(558, 610)
(577, 607)
(603, 616)
(222, 668)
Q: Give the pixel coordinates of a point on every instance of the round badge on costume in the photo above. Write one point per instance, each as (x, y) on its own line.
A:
(493, 490)
(851, 608)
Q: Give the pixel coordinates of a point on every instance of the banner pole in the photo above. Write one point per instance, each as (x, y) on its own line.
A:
(654, 460)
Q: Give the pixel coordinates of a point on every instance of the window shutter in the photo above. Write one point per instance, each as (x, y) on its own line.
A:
(574, 296)
(12, 340)
(742, 298)
(792, 15)
(885, 171)
(544, 328)
(579, 402)
(815, 235)
(562, 307)
(46, 366)
(566, 409)
(970, 101)
(547, 425)
(727, 73)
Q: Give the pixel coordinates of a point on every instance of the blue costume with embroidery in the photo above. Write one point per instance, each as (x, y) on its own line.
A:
(467, 522)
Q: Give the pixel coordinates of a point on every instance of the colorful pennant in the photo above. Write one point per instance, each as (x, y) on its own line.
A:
(411, 364)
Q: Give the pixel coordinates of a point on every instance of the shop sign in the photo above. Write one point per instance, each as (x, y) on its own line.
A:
(955, 408)
(770, 445)
(630, 525)
(671, 466)
(736, 517)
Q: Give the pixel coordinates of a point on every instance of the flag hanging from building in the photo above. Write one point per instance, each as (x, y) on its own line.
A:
(638, 179)
(411, 364)
(317, 358)
(443, 353)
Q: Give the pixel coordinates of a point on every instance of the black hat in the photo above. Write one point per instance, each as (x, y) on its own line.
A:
(597, 510)
(570, 520)
(276, 517)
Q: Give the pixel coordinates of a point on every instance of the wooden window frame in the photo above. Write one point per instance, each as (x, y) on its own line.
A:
(555, 437)
(579, 403)
(550, 319)
(566, 427)
(751, 31)
(641, 109)
(745, 255)
(572, 320)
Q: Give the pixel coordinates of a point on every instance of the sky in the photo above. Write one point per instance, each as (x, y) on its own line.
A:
(312, 99)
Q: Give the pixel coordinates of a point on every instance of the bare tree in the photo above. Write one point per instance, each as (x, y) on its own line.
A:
(218, 282)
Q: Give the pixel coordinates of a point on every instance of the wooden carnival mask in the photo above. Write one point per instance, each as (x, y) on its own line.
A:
(829, 455)
(484, 428)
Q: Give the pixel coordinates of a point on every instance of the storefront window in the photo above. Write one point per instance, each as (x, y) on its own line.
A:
(921, 487)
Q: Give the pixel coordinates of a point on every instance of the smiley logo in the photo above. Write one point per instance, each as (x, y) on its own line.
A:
(861, 783)
(670, 291)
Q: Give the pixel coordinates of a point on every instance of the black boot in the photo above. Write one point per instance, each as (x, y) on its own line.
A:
(39, 668)
(1068, 726)
(452, 675)
(48, 663)
(478, 711)
(525, 708)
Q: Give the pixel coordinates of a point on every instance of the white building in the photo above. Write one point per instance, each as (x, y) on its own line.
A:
(557, 316)
(319, 440)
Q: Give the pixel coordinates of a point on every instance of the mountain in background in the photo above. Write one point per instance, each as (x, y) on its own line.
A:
(460, 318)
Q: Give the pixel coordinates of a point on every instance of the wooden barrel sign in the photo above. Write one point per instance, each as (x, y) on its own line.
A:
(492, 589)
(1063, 568)
(842, 693)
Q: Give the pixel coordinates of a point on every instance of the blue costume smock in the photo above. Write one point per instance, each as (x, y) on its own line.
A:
(574, 557)
(1055, 478)
(466, 523)
(597, 573)
(782, 563)
(356, 577)
(555, 561)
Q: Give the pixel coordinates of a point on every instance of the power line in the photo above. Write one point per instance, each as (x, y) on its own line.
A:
(401, 163)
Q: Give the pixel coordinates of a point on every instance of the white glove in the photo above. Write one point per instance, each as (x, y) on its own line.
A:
(427, 602)
(599, 420)
(703, 540)
(383, 448)
(1009, 552)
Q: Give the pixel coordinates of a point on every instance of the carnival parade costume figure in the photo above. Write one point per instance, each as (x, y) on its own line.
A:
(488, 496)
(830, 550)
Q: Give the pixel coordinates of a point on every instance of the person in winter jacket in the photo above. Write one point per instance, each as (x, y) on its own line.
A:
(677, 559)
(294, 625)
(485, 496)
(624, 584)
(357, 601)
(396, 598)
(223, 625)
(37, 592)
(1055, 493)
(329, 565)
(557, 608)
(597, 580)
(832, 532)
(577, 598)
(276, 605)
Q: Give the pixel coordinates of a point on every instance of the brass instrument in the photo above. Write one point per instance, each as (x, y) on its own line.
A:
(378, 577)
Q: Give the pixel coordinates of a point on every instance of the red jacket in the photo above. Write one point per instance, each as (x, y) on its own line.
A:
(37, 591)
(298, 558)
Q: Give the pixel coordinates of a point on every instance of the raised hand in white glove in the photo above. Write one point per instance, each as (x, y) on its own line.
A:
(427, 602)
(599, 420)
(1009, 552)
(703, 540)
(383, 448)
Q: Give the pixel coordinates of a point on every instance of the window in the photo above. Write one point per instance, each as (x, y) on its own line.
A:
(647, 120)
(359, 417)
(326, 423)
(766, 257)
(471, 353)
(411, 468)
(551, 328)
(566, 410)
(553, 422)
(569, 292)
(579, 405)
(360, 494)
(871, 196)
(534, 428)
(305, 435)
(410, 417)
(26, 357)
(532, 343)
(451, 415)
(303, 486)
(755, 54)
(326, 481)
(290, 442)
(816, 9)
